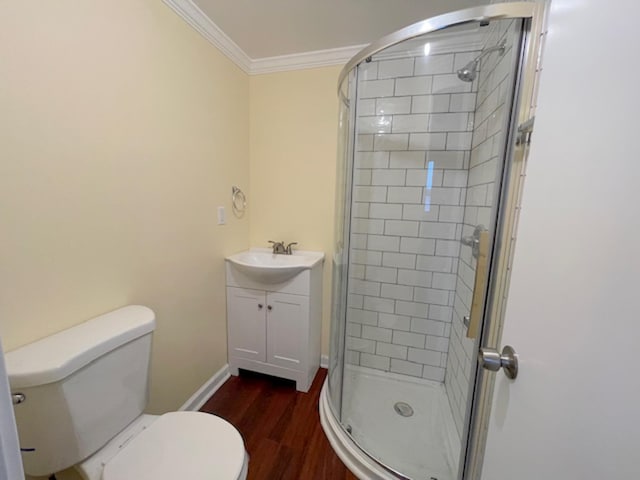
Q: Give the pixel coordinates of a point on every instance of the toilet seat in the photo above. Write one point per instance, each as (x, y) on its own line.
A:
(193, 445)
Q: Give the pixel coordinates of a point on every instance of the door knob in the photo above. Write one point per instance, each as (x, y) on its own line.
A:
(491, 359)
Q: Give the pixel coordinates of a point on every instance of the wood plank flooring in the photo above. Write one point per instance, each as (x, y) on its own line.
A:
(280, 426)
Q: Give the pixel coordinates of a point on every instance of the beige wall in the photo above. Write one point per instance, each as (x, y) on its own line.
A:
(121, 131)
(293, 164)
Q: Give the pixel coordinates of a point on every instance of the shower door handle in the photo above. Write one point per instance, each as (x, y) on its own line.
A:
(479, 287)
(491, 359)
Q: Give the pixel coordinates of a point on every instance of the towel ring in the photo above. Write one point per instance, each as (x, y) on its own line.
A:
(238, 200)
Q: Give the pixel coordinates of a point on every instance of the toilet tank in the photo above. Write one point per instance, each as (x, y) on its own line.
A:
(81, 387)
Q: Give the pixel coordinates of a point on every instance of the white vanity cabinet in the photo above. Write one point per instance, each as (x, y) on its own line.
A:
(275, 328)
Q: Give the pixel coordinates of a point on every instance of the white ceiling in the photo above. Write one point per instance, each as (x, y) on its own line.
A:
(267, 28)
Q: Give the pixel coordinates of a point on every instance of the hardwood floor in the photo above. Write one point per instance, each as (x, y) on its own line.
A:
(280, 426)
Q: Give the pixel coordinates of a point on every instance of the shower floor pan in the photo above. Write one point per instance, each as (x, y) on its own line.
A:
(422, 445)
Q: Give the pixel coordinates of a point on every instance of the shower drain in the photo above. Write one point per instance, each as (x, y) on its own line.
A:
(403, 409)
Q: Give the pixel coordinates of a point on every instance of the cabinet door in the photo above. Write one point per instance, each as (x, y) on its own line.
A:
(287, 327)
(246, 323)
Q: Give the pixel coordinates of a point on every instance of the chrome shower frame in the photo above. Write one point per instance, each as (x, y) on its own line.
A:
(533, 15)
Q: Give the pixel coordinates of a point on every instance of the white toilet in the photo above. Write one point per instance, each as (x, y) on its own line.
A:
(83, 392)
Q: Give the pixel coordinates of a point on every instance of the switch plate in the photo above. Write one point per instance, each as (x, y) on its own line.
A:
(222, 217)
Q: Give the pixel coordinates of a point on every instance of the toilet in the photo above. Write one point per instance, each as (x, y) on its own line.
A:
(81, 394)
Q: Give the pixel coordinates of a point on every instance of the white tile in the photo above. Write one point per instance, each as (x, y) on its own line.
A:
(381, 274)
(444, 281)
(427, 141)
(462, 58)
(385, 210)
(355, 301)
(383, 243)
(434, 264)
(356, 315)
(365, 257)
(390, 350)
(404, 194)
(366, 106)
(429, 327)
(424, 246)
(417, 278)
(364, 143)
(376, 333)
(406, 368)
(378, 304)
(402, 67)
(447, 122)
(447, 248)
(434, 64)
(374, 361)
(356, 271)
(352, 358)
(427, 357)
(378, 124)
(444, 159)
(440, 313)
(432, 373)
(462, 102)
(430, 103)
(398, 260)
(410, 123)
(362, 287)
(388, 177)
(431, 296)
(368, 71)
(417, 178)
(445, 231)
(420, 212)
(407, 160)
(445, 196)
(409, 339)
(459, 141)
(365, 225)
(449, 84)
(369, 194)
(360, 210)
(354, 329)
(403, 228)
(359, 240)
(375, 88)
(412, 86)
(412, 309)
(440, 344)
(398, 292)
(450, 213)
(391, 141)
(362, 176)
(392, 105)
(372, 160)
(361, 345)
(395, 322)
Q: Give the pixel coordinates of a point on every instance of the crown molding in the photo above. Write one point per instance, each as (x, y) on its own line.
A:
(301, 61)
(195, 17)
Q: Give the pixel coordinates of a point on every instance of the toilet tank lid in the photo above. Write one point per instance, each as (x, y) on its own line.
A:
(56, 357)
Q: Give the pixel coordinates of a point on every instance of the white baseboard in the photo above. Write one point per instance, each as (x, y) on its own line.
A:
(324, 361)
(204, 393)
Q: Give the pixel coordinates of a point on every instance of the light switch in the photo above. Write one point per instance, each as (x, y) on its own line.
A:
(222, 217)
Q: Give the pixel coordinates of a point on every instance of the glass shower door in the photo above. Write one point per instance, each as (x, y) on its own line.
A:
(431, 120)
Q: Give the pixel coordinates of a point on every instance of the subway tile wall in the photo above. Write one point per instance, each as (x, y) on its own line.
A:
(413, 150)
(495, 81)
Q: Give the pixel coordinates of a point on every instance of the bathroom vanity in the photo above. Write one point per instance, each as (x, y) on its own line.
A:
(274, 313)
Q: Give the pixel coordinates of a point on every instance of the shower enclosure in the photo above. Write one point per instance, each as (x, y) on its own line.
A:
(430, 158)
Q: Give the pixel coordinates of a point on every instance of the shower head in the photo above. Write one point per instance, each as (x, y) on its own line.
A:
(469, 72)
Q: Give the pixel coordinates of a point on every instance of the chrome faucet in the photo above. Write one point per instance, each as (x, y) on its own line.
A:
(279, 248)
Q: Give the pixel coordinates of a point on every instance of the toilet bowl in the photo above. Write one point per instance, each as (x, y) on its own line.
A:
(84, 392)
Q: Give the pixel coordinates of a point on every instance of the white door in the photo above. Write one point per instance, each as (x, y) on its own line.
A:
(287, 327)
(573, 313)
(246, 323)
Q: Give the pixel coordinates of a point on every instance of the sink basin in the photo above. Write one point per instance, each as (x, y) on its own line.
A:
(263, 266)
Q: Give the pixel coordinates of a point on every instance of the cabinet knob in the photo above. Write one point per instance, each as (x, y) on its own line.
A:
(269, 307)
(260, 306)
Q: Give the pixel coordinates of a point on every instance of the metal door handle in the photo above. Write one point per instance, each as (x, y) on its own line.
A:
(491, 359)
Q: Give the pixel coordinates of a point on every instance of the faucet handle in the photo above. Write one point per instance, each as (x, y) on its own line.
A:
(288, 249)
